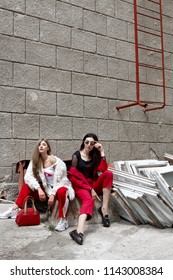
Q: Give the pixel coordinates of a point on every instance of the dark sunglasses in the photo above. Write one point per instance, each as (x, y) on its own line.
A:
(91, 143)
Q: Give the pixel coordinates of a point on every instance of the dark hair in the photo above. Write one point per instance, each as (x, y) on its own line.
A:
(94, 154)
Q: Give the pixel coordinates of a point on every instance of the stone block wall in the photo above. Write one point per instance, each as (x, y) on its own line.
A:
(64, 67)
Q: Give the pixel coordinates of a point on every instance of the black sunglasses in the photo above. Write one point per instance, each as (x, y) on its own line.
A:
(91, 143)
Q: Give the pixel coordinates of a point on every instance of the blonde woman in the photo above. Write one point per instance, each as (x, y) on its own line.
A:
(45, 179)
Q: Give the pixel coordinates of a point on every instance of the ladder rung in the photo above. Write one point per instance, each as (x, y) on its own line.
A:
(149, 49)
(150, 66)
(150, 84)
(144, 31)
(153, 2)
(148, 16)
(151, 102)
(148, 28)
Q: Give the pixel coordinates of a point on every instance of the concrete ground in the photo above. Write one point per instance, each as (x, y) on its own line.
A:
(122, 241)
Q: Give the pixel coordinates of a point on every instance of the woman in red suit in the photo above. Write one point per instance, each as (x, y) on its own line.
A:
(90, 177)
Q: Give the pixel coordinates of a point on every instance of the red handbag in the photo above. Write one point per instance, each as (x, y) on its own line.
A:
(28, 216)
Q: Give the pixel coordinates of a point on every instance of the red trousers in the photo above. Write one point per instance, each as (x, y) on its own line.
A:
(61, 196)
(105, 180)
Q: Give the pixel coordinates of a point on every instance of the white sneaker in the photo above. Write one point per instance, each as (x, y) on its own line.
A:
(62, 225)
(9, 214)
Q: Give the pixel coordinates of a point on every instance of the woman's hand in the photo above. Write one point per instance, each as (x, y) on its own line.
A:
(99, 147)
(94, 195)
(51, 200)
(41, 194)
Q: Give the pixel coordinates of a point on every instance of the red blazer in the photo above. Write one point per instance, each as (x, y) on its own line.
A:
(79, 181)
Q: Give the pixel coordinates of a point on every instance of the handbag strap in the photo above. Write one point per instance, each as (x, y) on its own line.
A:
(26, 204)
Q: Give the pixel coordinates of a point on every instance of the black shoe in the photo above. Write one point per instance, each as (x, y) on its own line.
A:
(105, 219)
(77, 237)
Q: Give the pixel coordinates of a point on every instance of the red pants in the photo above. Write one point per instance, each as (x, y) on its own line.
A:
(105, 180)
(61, 196)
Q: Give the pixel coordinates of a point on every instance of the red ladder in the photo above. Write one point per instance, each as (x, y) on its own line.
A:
(145, 19)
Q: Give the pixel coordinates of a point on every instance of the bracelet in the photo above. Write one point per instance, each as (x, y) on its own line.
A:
(103, 157)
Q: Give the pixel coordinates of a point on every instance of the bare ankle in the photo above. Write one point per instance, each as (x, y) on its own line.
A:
(15, 206)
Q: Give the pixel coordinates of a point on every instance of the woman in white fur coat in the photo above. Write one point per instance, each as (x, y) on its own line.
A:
(45, 179)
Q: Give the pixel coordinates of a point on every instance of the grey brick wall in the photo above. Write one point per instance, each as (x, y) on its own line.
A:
(65, 66)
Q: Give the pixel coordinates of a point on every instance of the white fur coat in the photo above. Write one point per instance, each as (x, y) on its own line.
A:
(60, 179)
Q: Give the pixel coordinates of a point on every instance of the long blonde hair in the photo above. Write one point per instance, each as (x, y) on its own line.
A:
(37, 162)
